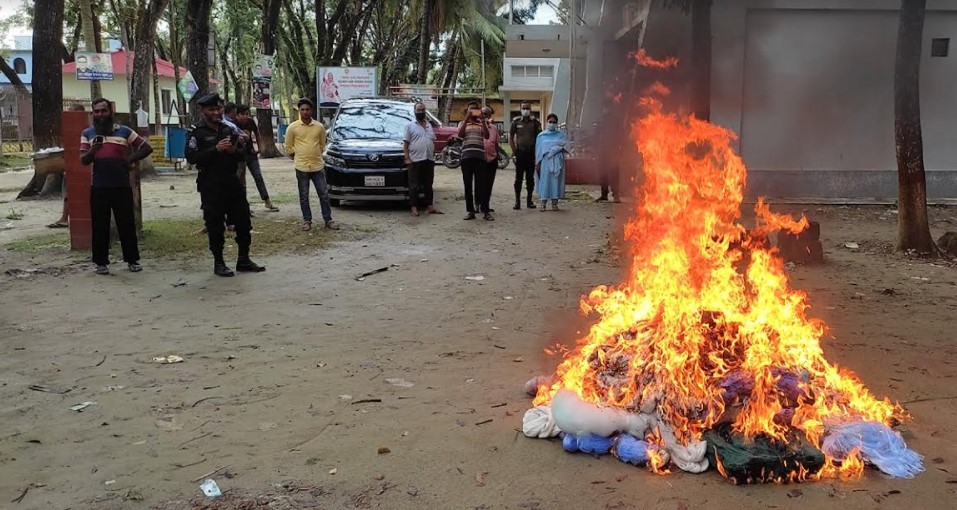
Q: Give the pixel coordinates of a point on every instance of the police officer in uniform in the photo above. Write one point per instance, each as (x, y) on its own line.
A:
(217, 148)
(522, 136)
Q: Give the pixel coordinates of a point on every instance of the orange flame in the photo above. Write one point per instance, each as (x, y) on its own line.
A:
(704, 302)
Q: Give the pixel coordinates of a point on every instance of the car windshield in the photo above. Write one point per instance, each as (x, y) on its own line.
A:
(371, 122)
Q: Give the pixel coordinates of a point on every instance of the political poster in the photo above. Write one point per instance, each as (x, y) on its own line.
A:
(187, 86)
(336, 84)
(262, 94)
(93, 66)
(263, 68)
(427, 94)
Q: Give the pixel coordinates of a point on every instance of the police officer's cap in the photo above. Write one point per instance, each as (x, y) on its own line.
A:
(210, 100)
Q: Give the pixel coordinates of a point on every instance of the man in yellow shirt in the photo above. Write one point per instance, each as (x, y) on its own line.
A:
(305, 142)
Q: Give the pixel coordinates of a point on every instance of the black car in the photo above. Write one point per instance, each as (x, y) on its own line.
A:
(363, 157)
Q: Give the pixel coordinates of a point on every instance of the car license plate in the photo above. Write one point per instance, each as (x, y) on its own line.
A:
(375, 180)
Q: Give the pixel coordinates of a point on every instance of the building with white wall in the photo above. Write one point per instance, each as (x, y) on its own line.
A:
(809, 87)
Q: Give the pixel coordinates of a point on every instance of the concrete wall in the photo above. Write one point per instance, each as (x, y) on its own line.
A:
(808, 85)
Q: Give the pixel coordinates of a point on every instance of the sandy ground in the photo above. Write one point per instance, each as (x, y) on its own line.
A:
(276, 365)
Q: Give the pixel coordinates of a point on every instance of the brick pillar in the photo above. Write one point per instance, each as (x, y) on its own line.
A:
(78, 180)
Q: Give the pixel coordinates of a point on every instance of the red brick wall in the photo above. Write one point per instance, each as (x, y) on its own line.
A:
(78, 180)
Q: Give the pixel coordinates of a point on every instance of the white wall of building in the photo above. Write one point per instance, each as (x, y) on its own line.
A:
(809, 86)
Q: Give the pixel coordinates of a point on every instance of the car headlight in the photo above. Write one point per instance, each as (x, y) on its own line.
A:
(334, 161)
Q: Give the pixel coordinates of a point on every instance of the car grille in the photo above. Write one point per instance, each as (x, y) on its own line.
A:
(364, 161)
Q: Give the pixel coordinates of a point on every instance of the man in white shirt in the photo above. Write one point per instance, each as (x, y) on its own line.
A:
(419, 147)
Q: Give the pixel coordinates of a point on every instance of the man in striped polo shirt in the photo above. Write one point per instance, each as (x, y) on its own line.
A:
(473, 131)
(112, 149)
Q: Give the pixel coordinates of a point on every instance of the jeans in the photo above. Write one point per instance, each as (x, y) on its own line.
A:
(421, 177)
(119, 202)
(322, 189)
(252, 164)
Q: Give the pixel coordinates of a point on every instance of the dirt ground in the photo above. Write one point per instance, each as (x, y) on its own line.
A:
(303, 387)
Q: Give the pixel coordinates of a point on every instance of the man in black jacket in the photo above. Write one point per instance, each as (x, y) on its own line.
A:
(217, 149)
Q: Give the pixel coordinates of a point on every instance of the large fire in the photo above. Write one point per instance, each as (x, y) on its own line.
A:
(705, 329)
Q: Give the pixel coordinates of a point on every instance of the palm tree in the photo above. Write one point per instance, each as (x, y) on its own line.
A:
(469, 23)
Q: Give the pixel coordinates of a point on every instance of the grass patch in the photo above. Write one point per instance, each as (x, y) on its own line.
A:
(14, 215)
(59, 242)
(11, 189)
(577, 195)
(182, 239)
(284, 198)
(14, 161)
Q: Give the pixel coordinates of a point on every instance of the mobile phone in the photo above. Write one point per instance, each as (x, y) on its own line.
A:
(233, 138)
(98, 139)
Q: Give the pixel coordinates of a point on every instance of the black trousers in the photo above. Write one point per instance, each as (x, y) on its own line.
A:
(119, 202)
(490, 171)
(421, 178)
(609, 178)
(475, 170)
(524, 168)
(222, 200)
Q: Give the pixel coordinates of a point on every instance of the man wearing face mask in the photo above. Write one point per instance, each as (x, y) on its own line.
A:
(521, 138)
(419, 147)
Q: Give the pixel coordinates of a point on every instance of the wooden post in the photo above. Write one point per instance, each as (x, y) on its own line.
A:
(78, 180)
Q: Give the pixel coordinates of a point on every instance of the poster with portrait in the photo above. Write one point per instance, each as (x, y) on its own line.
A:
(262, 94)
(336, 84)
(263, 68)
(93, 66)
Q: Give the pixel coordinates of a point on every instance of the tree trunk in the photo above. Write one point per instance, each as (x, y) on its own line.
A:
(197, 40)
(425, 42)
(448, 69)
(913, 229)
(701, 58)
(176, 57)
(266, 138)
(48, 90)
(90, 21)
(157, 101)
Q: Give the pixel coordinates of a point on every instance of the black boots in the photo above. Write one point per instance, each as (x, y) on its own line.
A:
(221, 269)
(518, 200)
(245, 265)
(529, 204)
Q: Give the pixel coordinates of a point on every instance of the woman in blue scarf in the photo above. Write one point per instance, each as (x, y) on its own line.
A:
(550, 149)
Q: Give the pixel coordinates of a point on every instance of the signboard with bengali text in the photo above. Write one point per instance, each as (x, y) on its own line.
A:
(336, 84)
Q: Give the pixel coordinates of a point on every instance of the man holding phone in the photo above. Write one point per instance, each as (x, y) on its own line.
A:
(473, 131)
(217, 148)
(112, 149)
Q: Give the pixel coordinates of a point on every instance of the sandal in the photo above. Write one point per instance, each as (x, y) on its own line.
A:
(415, 212)
(542, 208)
(306, 226)
(58, 225)
(555, 207)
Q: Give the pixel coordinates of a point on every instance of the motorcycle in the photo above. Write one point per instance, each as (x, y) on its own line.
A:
(452, 154)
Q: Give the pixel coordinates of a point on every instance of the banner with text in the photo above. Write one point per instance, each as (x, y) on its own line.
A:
(336, 84)
(93, 66)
